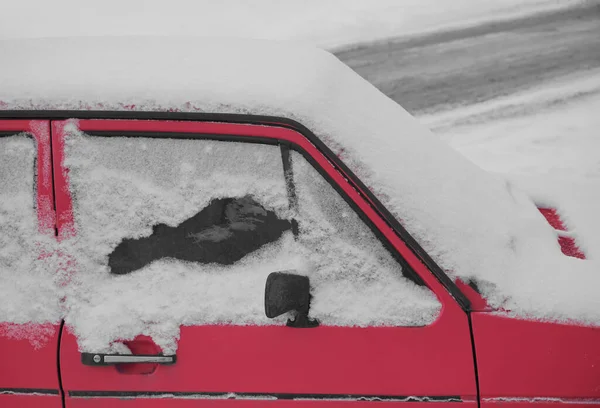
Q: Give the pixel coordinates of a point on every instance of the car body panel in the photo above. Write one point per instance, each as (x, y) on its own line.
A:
(533, 359)
(30, 400)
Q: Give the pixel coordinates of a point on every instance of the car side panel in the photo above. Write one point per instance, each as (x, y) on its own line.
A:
(525, 360)
(323, 360)
(28, 356)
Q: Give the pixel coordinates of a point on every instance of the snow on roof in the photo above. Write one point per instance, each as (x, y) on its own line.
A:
(475, 225)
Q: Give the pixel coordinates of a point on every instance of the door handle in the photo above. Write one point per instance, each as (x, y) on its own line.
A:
(96, 359)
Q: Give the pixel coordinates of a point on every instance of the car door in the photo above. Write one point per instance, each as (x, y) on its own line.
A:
(29, 301)
(173, 229)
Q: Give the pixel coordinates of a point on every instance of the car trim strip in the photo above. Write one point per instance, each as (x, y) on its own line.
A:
(542, 400)
(412, 244)
(264, 396)
(37, 391)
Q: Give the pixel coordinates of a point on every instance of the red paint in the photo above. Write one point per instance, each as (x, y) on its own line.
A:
(228, 403)
(478, 303)
(45, 197)
(553, 218)
(432, 360)
(64, 208)
(570, 248)
(28, 351)
(520, 358)
(28, 356)
(567, 244)
(30, 401)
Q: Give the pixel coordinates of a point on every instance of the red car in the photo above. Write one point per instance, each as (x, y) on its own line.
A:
(157, 256)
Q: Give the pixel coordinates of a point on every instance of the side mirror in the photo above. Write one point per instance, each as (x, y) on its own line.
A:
(286, 292)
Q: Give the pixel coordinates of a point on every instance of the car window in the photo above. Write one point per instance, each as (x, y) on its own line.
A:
(27, 292)
(186, 231)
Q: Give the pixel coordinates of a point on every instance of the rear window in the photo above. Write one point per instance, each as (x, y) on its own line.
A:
(186, 231)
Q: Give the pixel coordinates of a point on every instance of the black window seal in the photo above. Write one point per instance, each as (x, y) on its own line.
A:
(402, 233)
(10, 133)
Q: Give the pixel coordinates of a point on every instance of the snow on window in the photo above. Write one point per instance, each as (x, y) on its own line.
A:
(27, 290)
(133, 194)
(356, 280)
(174, 232)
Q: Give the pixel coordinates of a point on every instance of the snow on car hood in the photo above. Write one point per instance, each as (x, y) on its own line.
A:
(475, 225)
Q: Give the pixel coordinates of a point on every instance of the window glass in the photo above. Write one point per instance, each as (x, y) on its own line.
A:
(27, 292)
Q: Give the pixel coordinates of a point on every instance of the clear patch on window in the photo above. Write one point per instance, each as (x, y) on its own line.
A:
(223, 232)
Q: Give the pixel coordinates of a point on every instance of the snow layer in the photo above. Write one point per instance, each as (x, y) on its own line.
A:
(475, 225)
(356, 280)
(545, 141)
(122, 187)
(27, 289)
(326, 23)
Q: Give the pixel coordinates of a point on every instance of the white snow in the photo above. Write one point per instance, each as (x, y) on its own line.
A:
(122, 187)
(546, 141)
(326, 23)
(37, 334)
(27, 289)
(356, 280)
(475, 225)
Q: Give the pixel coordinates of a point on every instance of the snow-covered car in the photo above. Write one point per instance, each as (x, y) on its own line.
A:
(191, 223)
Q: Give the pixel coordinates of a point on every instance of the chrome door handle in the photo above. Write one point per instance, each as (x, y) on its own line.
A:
(96, 359)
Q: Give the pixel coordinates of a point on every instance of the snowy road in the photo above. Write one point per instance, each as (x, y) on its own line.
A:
(455, 68)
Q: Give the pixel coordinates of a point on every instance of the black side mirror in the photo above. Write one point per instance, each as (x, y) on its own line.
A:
(286, 292)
